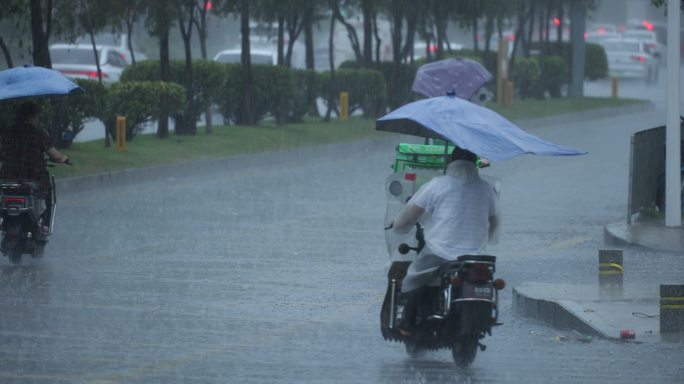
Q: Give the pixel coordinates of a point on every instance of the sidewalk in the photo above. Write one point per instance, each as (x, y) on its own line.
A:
(601, 312)
(584, 309)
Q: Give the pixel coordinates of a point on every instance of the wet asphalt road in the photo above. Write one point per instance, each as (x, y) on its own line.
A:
(276, 275)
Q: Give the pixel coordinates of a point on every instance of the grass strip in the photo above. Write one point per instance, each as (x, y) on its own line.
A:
(147, 150)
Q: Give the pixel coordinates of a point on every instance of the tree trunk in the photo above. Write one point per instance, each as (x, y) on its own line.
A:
(294, 29)
(309, 49)
(561, 16)
(489, 30)
(281, 41)
(367, 12)
(247, 114)
(189, 123)
(308, 36)
(475, 26)
(201, 26)
(378, 40)
(397, 22)
(331, 61)
(163, 124)
(40, 36)
(6, 53)
(530, 30)
(129, 34)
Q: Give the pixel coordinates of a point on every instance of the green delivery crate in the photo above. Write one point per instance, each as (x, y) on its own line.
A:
(420, 156)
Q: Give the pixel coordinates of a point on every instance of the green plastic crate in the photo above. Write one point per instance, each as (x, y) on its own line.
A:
(420, 156)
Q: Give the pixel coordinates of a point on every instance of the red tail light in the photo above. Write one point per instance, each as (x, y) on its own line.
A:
(480, 273)
(91, 74)
(410, 176)
(456, 281)
(640, 59)
(14, 202)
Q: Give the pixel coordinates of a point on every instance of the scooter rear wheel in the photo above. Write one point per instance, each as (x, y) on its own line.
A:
(14, 256)
(413, 349)
(464, 350)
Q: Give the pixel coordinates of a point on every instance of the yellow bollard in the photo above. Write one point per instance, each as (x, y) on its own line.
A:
(509, 93)
(120, 133)
(344, 105)
(614, 86)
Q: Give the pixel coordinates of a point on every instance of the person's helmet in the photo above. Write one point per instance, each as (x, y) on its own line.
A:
(463, 154)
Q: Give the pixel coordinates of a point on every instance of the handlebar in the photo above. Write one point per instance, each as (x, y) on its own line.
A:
(420, 237)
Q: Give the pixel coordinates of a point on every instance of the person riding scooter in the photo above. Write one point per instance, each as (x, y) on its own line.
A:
(459, 212)
(23, 150)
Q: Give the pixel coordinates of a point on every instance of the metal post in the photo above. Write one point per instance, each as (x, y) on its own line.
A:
(611, 272)
(344, 105)
(614, 87)
(673, 182)
(671, 308)
(501, 71)
(578, 14)
(120, 133)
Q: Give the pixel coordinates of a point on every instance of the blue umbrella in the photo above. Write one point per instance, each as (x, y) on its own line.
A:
(24, 82)
(469, 126)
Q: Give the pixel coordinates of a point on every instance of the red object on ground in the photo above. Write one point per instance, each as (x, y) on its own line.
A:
(627, 334)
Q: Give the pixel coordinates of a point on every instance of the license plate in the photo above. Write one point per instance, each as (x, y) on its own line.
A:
(476, 291)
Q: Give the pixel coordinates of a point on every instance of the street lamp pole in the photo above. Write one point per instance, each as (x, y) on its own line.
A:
(673, 182)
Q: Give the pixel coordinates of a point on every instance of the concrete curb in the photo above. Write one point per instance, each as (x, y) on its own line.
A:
(656, 237)
(137, 175)
(592, 114)
(225, 164)
(562, 314)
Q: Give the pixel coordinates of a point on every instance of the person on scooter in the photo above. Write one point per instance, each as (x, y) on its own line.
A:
(22, 151)
(459, 212)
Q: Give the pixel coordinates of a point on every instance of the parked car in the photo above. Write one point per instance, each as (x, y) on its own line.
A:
(117, 41)
(631, 58)
(600, 37)
(78, 61)
(257, 56)
(650, 38)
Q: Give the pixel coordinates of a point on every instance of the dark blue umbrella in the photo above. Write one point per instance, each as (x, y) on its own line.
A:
(24, 82)
(469, 126)
(463, 77)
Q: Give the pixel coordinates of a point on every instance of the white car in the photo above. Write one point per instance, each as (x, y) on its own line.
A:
(600, 37)
(630, 58)
(119, 42)
(78, 61)
(650, 38)
(258, 56)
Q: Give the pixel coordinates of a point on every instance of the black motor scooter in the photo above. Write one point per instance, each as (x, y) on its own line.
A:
(455, 312)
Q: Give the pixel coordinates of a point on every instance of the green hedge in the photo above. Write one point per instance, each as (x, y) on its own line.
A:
(525, 76)
(273, 92)
(398, 80)
(139, 102)
(595, 64)
(306, 91)
(366, 88)
(208, 78)
(554, 74)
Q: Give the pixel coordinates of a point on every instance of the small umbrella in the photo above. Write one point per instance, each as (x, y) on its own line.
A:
(24, 82)
(461, 76)
(469, 126)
